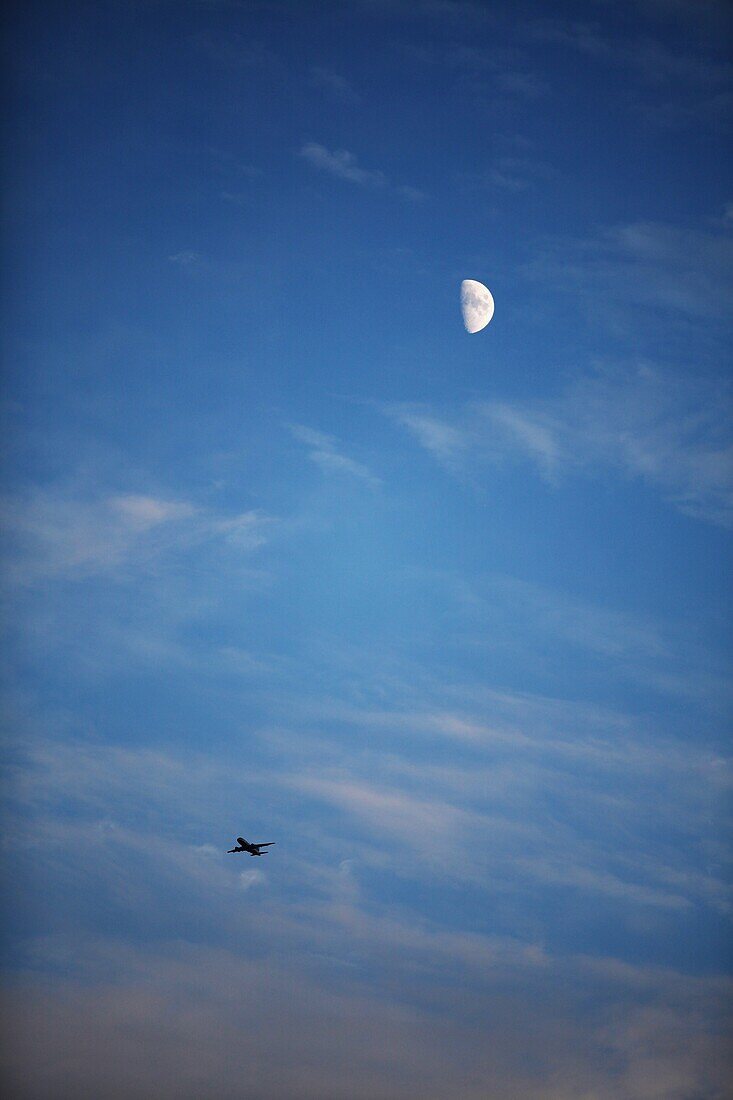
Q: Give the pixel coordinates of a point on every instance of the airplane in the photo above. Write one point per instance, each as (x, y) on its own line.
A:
(253, 849)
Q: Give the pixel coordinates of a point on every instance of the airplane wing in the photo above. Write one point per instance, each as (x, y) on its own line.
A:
(266, 844)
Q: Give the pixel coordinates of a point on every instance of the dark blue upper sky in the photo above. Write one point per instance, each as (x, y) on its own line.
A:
(291, 555)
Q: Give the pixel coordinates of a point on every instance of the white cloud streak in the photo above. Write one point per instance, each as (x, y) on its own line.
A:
(58, 533)
(343, 164)
(651, 424)
(325, 453)
(648, 59)
(682, 272)
(445, 442)
(335, 83)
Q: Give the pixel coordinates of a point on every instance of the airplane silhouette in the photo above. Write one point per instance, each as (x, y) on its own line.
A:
(253, 849)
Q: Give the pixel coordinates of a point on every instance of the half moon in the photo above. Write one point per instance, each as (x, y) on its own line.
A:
(477, 305)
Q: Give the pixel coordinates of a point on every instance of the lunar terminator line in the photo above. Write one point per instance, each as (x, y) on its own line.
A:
(253, 849)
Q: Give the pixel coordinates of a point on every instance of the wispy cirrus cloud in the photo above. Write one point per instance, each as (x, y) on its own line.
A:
(187, 258)
(682, 271)
(482, 822)
(517, 173)
(512, 812)
(232, 50)
(522, 83)
(668, 430)
(338, 85)
(442, 440)
(647, 57)
(344, 165)
(324, 452)
(509, 71)
(671, 88)
(533, 436)
(58, 532)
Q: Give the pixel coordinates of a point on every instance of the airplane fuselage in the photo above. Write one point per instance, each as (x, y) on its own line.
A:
(252, 849)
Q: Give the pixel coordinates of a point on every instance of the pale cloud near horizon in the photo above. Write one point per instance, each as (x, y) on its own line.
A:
(167, 1018)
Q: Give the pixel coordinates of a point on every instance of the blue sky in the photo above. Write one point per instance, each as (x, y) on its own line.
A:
(290, 555)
